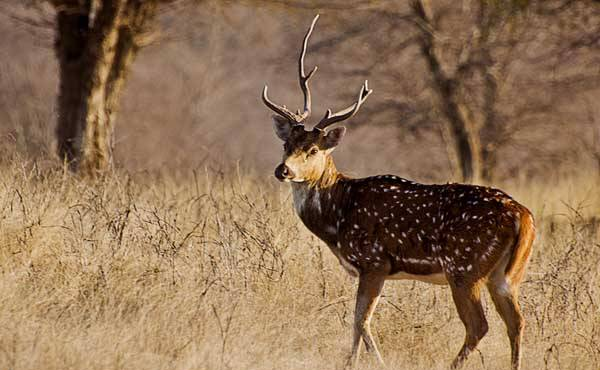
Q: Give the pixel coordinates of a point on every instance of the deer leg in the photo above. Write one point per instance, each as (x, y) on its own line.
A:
(505, 298)
(468, 304)
(369, 290)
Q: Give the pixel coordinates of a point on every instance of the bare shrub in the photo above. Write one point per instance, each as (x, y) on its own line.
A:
(213, 270)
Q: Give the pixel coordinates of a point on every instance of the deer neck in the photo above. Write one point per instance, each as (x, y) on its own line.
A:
(317, 202)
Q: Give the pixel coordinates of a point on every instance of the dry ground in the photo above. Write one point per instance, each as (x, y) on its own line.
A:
(214, 271)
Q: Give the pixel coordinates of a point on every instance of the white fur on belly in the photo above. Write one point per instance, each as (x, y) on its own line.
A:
(438, 278)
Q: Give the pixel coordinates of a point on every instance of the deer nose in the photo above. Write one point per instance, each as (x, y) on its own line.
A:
(282, 172)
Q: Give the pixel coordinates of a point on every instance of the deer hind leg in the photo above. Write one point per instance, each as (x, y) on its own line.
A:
(505, 298)
(369, 291)
(468, 304)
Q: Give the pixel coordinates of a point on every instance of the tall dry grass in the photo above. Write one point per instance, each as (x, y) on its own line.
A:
(212, 270)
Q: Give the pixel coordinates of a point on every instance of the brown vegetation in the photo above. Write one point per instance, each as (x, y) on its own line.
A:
(213, 270)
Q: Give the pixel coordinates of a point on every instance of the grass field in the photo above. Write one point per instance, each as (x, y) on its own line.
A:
(212, 270)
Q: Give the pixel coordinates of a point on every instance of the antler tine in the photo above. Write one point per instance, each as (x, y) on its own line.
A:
(344, 114)
(302, 77)
(281, 110)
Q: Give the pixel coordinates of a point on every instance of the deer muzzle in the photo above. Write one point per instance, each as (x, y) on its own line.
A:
(283, 173)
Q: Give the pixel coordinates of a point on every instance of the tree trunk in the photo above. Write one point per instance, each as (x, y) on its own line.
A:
(94, 64)
(489, 162)
(466, 137)
(464, 131)
(97, 133)
(490, 121)
(71, 40)
(126, 51)
(139, 14)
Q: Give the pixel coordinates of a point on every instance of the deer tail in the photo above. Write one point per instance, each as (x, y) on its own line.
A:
(515, 269)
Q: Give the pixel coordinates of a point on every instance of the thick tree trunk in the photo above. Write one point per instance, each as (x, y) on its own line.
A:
(94, 61)
(97, 133)
(71, 41)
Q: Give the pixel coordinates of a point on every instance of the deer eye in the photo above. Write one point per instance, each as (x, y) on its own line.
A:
(313, 151)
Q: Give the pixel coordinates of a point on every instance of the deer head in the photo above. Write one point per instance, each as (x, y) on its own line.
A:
(307, 152)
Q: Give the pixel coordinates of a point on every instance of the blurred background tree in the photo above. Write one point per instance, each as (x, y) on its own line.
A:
(475, 90)
(471, 73)
(493, 70)
(95, 44)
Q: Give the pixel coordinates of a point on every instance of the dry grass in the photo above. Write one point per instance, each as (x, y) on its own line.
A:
(214, 271)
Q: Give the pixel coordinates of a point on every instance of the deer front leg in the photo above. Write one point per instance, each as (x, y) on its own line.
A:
(369, 290)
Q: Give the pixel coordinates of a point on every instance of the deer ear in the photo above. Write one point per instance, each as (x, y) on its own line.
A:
(282, 127)
(333, 138)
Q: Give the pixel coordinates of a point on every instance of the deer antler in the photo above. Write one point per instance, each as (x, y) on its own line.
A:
(303, 78)
(281, 110)
(344, 114)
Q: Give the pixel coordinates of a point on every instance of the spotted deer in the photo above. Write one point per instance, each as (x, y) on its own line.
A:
(387, 228)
